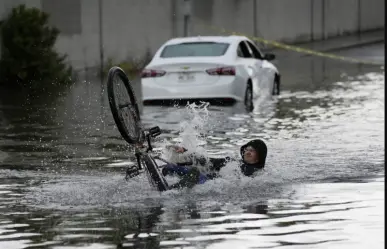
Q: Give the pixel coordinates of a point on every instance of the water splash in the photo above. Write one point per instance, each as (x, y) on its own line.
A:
(192, 133)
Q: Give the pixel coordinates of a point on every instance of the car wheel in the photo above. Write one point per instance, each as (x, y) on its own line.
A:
(249, 98)
(276, 86)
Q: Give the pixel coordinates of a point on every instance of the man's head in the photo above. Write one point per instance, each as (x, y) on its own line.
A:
(254, 152)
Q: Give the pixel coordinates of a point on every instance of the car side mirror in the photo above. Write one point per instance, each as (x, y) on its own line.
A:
(269, 57)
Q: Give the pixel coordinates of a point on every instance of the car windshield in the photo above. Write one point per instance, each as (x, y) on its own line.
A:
(189, 49)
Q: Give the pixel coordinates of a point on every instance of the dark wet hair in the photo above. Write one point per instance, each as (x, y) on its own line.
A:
(260, 147)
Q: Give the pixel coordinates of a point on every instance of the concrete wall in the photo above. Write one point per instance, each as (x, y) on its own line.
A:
(288, 21)
(130, 28)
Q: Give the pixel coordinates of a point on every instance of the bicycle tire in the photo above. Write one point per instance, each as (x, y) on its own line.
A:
(157, 179)
(131, 132)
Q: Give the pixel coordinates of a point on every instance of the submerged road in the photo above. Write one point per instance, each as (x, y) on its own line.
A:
(62, 165)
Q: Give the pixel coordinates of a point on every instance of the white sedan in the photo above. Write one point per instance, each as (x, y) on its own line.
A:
(218, 69)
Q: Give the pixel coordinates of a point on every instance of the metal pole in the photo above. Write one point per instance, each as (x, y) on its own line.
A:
(174, 18)
(312, 20)
(323, 20)
(359, 17)
(101, 39)
(255, 20)
(101, 54)
(187, 13)
(186, 19)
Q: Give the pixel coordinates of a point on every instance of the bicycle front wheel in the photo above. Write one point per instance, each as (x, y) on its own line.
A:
(123, 105)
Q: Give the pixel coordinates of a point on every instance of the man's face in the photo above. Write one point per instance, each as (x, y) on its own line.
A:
(250, 156)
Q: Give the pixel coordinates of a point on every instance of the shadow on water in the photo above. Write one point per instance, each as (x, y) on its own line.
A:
(29, 121)
(307, 216)
(151, 227)
(19, 106)
(50, 125)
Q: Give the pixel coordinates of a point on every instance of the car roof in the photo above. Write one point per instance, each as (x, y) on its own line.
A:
(226, 39)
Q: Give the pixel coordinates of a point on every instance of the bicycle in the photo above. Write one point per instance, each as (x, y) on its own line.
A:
(127, 118)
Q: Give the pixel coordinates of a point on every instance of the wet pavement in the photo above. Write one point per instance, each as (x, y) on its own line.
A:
(62, 165)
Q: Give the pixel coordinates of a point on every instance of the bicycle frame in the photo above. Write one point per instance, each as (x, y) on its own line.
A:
(152, 133)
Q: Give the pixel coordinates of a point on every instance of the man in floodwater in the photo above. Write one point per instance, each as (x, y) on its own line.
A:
(253, 156)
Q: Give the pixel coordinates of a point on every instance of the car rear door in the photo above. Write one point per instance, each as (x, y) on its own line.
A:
(252, 65)
(262, 75)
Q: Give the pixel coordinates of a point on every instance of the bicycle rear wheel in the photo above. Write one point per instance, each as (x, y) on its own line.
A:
(157, 179)
(123, 105)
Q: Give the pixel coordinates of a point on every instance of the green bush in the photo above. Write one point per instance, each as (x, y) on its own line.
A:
(28, 57)
(131, 66)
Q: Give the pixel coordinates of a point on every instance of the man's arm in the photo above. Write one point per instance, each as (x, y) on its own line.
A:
(215, 164)
(218, 163)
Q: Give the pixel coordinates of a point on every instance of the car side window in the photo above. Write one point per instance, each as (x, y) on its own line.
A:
(239, 52)
(256, 53)
(243, 51)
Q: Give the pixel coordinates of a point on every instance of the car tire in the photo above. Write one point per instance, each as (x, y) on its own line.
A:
(249, 98)
(276, 86)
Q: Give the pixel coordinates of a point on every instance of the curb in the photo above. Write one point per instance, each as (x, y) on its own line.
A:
(359, 44)
(287, 55)
(329, 46)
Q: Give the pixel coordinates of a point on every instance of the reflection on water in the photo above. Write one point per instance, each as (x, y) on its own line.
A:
(326, 215)
(62, 166)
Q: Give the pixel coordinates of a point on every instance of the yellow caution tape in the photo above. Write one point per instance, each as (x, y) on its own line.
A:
(298, 49)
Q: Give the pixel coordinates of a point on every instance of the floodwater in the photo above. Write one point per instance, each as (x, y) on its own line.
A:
(62, 164)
